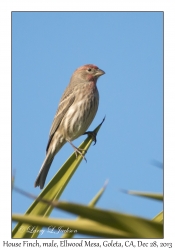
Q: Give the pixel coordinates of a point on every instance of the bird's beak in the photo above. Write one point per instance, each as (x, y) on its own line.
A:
(99, 72)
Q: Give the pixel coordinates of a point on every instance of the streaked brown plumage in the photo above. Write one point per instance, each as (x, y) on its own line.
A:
(76, 111)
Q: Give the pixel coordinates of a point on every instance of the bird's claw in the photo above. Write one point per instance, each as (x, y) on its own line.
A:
(92, 134)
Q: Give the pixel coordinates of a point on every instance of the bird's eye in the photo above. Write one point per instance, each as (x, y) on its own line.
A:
(89, 69)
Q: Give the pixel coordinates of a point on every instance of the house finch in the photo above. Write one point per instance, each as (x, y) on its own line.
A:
(76, 111)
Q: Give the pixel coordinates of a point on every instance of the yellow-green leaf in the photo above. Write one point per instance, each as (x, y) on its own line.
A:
(159, 217)
(53, 190)
(155, 196)
(139, 227)
(82, 226)
(91, 204)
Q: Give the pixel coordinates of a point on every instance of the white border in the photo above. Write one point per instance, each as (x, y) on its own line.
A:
(5, 90)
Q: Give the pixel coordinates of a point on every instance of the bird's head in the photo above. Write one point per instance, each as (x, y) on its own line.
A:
(88, 72)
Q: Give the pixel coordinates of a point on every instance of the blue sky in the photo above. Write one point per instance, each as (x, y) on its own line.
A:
(46, 48)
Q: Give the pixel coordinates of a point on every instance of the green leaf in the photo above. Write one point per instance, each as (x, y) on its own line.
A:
(91, 204)
(139, 227)
(53, 190)
(154, 196)
(159, 217)
(82, 226)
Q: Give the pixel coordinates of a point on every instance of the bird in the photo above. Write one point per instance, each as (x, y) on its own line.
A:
(76, 111)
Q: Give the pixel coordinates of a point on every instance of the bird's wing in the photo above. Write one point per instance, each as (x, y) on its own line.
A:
(65, 103)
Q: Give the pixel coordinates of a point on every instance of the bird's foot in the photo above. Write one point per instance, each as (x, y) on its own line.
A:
(81, 152)
(78, 151)
(92, 134)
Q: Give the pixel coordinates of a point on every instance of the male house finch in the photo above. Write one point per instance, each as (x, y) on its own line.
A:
(76, 111)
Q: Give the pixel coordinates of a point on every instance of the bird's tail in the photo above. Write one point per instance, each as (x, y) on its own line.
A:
(40, 180)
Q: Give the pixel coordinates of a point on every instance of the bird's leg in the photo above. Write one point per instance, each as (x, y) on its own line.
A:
(78, 150)
(92, 134)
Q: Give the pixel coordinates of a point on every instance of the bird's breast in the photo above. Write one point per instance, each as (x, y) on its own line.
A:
(80, 114)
